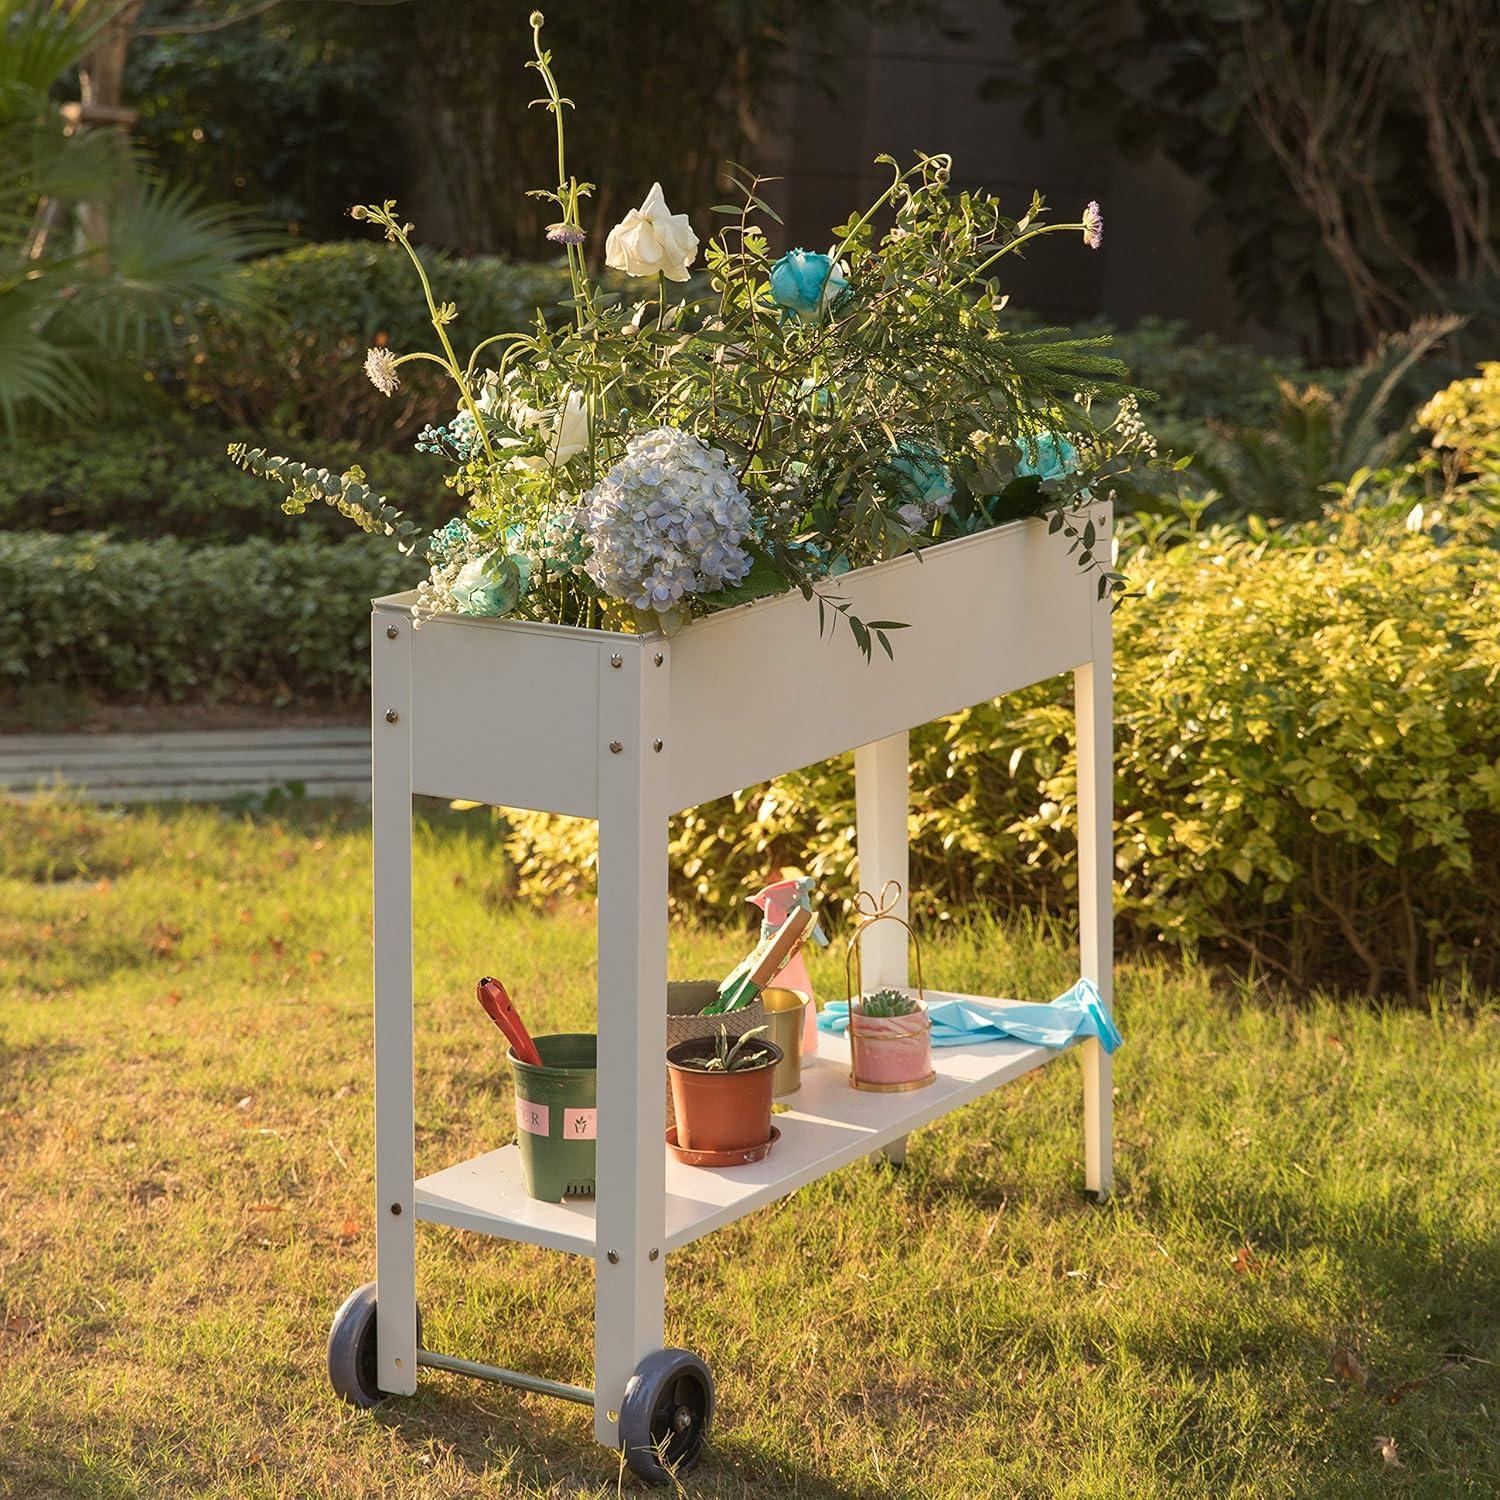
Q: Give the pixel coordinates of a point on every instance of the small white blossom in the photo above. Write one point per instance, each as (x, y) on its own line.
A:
(1093, 226)
(380, 366)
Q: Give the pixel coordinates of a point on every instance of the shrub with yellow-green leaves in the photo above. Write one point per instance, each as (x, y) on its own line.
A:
(1465, 419)
(1308, 771)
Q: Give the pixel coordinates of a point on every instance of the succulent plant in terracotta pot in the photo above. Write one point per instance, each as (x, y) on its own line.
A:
(721, 1091)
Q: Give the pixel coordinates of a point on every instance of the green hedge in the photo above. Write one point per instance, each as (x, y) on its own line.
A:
(296, 365)
(133, 620)
(171, 478)
(1308, 759)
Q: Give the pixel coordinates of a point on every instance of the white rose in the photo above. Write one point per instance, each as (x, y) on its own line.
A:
(652, 238)
(565, 428)
(569, 432)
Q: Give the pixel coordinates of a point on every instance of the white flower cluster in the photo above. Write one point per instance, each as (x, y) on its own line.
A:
(1131, 431)
(665, 522)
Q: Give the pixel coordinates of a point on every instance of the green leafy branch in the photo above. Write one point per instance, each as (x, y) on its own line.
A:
(347, 493)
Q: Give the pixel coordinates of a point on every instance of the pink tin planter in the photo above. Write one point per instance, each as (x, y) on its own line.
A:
(890, 1053)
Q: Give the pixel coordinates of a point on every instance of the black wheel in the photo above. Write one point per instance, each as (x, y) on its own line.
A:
(665, 1416)
(351, 1348)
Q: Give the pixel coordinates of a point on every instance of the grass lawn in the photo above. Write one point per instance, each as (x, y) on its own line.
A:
(1301, 1265)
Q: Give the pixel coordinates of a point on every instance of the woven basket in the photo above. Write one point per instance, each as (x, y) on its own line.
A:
(685, 1001)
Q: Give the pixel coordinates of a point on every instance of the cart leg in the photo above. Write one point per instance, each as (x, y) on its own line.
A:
(395, 1156)
(881, 798)
(1094, 707)
(629, 1267)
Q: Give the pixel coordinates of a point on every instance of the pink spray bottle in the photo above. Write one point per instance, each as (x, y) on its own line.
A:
(777, 902)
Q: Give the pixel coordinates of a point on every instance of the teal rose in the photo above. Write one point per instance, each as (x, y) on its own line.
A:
(490, 585)
(921, 481)
(1048, 455)
(804, 283)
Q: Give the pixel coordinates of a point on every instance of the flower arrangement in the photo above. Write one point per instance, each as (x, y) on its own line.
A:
(760, 425)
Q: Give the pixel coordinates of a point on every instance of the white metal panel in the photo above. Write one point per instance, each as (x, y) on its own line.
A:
(630, 1267)
(395, 1130)
(508, 712)
(1094, 710)
(755, 692)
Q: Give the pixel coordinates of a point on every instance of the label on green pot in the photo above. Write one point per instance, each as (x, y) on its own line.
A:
(580, 1124)
(535, 1119)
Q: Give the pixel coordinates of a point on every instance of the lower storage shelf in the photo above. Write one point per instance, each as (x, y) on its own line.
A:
(827, 1125)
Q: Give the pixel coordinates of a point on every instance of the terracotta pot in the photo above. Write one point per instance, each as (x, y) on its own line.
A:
(722, 1111)
(892, 1052)
(685, 1001)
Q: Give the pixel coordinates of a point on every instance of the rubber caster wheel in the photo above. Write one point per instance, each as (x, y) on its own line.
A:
(351, 1348)
(666, 1413)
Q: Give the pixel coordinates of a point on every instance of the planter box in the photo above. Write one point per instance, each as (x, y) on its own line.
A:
(519, 714)
(629, 729)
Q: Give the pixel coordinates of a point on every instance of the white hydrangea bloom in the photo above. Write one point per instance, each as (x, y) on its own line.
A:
(665, 523)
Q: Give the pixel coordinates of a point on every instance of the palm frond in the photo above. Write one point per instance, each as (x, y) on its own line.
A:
(33, 369)
(163, 253)
(38, 161)
(42, 40)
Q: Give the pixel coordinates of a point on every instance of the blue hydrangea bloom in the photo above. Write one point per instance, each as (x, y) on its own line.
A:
(805, 282)
(1048, 456)
(665, 523)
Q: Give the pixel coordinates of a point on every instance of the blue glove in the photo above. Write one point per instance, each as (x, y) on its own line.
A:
(1077, 1014)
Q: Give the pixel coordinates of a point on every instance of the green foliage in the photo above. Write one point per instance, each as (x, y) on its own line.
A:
(347, 493)
(166, 620)
(885, 1003)
(1318, 437)
(1347, 148)
(101, 259)
(1465, 420)
(294, 363)
(729, 1054)
(1308, 769)
(169, 478)
(201, 100)
(1198, 378)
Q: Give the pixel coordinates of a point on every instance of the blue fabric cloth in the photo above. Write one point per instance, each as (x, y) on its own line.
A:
(1079, 1013)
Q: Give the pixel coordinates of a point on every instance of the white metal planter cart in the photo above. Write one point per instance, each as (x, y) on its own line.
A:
(628, 730)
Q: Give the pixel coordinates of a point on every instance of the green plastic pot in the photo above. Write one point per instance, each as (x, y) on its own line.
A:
(557, 1115)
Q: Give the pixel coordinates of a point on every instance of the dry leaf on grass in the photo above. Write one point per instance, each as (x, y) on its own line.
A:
(262, 1208)
(1346, 1366)
(20, 1327)
(1247, 1262)
(349, 1231)
(1386, 1448)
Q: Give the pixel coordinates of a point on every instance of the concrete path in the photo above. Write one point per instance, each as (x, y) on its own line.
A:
(187, 765)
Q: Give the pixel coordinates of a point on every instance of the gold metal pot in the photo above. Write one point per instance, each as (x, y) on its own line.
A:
(785, 1010)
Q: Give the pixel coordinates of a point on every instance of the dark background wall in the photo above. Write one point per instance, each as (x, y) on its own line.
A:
(899, 88)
